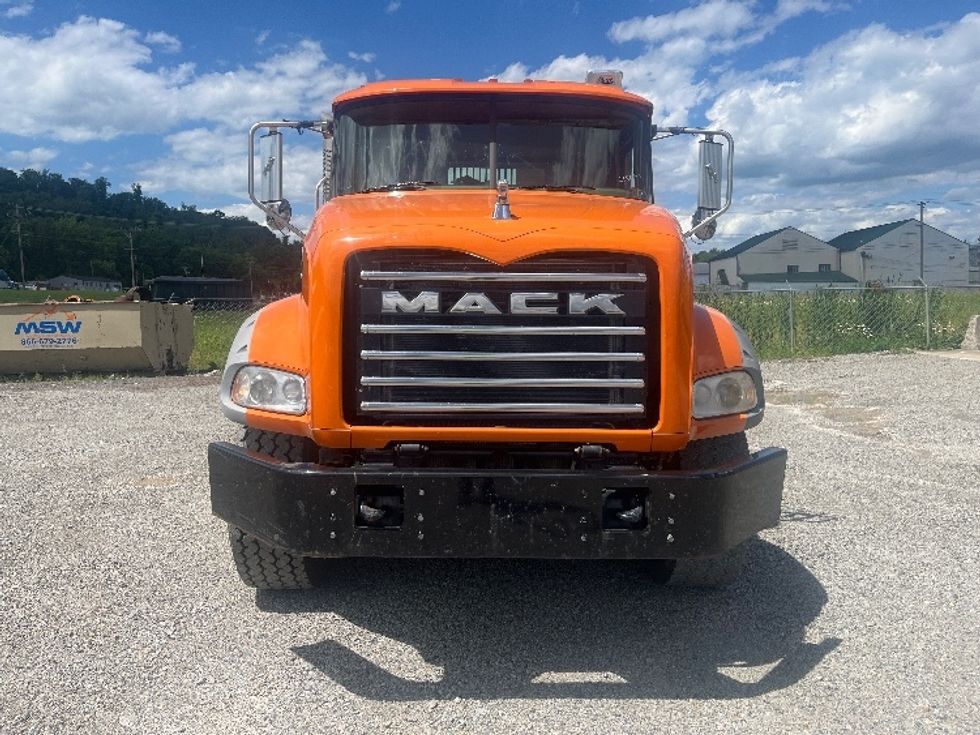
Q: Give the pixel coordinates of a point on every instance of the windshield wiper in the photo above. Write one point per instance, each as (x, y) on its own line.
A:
(554, 187)
(400, 186)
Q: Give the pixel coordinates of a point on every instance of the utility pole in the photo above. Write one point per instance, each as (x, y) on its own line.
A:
(20, 243)
(922, 243)
(132, 257)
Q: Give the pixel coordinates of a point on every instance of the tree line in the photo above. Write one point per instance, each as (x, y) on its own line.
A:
(76, 227)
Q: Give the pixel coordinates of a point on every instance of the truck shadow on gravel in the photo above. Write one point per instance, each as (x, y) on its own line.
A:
(546, 629)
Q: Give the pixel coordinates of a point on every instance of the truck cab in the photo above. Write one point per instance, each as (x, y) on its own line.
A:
(496, 351)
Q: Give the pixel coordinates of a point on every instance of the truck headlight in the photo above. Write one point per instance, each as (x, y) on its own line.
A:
(721, 395)
(269, 390)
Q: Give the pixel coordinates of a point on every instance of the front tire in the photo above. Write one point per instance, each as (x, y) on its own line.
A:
(717, 571)
(284, 447)
(260, 565)
(266, 567)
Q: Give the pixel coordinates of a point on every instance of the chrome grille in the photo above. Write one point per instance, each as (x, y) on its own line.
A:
(443, 338)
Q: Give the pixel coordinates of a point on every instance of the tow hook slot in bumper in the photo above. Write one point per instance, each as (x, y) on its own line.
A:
(379, 506)
(624, 510)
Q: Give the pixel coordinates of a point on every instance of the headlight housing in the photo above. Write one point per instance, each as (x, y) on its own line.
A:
(725, 394)
(270, 390)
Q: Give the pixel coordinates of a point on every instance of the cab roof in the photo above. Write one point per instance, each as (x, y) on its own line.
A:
(491, 86)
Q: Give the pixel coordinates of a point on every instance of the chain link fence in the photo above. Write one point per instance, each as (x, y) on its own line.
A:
(788, 323)
(215, 324)
(781, 323)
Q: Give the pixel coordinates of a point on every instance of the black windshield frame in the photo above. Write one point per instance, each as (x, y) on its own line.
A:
(537, 141)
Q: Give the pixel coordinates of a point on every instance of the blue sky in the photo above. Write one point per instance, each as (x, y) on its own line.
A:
(845, 113)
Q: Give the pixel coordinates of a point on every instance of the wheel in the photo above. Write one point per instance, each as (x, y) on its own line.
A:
(716, 571)
(718, 451)
(284, 447)
(260, 565)
(266, 567)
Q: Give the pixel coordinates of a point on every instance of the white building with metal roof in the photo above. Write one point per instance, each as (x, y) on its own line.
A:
(782, 252)
(900, 253)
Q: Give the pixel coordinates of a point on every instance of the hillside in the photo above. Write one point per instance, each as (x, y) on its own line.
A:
(77, 227)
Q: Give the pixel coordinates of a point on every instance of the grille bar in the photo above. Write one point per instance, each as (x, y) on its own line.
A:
(444, 338)
(490, 330)
(504, 382)
(478, 276)
(503, 356)
(571, 409)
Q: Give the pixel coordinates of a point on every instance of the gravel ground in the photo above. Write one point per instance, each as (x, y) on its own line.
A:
(122, 612)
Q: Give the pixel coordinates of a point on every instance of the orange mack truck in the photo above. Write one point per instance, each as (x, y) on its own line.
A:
(496, 351)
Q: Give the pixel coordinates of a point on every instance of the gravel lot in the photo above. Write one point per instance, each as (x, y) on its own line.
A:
(122, 612)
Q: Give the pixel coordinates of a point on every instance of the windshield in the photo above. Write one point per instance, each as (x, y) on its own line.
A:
(473, 141)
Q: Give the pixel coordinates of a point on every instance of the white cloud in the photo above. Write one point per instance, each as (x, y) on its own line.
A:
(367, 57)
(212, 162)
(666, 76)
(36, 158)
(875, 105)
(393, 6)
(871, 105)
(786, 9)
(95, 79)
(98, 79)
(201, 160)
(262, 37)
(84, 81)
(677, 46)
(298, 82)
(19, 10)
(715, 18)
(165, 41)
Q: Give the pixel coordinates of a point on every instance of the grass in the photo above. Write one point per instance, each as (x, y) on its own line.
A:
(23, 296)
(840, 322)
(950, 315)
(214, 331)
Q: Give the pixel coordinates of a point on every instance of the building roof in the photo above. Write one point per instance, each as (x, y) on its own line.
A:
(856, 238)
(801, 277)
(750, 243)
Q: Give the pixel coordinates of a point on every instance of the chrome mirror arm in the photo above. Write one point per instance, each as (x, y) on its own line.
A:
(705, 225)
(278, 211)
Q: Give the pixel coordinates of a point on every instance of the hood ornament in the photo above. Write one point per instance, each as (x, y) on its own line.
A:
(501, 210)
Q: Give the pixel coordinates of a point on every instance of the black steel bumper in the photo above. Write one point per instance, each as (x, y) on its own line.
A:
(314, 510)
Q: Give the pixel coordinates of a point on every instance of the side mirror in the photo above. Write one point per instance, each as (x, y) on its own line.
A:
(267, 196)
(709, 188)
(270, 178)
(712, 167)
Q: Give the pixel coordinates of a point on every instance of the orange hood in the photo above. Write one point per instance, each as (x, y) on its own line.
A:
(463, 217)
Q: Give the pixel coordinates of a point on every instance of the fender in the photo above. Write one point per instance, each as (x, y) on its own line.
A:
(720, 346)
(276, 336)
